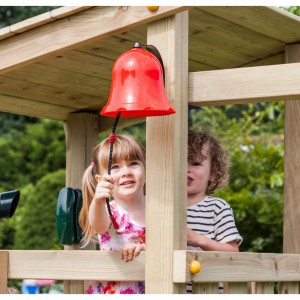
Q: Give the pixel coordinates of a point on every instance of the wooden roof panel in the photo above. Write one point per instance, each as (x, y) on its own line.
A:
(272, 22)
(77, 76)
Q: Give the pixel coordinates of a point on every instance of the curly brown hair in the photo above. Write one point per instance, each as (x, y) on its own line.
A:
(220, 161)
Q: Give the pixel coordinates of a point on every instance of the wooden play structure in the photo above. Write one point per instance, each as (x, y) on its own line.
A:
(58, 66)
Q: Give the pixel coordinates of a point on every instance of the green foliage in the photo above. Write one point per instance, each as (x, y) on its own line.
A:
(11, 122)
(36, 216)
(26, 156)
(293, 9)
(12, 14)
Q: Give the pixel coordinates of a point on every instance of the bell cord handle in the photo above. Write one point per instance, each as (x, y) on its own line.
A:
(153, 50)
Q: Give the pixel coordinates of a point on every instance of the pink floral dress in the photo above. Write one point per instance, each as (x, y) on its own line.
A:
(129, 232)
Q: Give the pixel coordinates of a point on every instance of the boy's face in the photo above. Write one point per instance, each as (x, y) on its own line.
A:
(198, 175)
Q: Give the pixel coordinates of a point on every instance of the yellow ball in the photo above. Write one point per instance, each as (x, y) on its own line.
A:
(152, 8)
(195, 266)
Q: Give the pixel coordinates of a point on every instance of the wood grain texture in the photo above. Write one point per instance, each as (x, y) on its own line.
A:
(74, 265)
(74, 31)
(245, 85)
(21, 106)
(81, 136)
(241, 267)
(269, 21)
(166, 159)
(3, 271)
(291, 224)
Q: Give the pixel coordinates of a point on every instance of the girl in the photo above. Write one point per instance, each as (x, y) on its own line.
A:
(126, 186)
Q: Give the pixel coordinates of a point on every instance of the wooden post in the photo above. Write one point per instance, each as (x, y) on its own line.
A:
(3, 271)
(81, 132)
(167, 159)
(291, 224)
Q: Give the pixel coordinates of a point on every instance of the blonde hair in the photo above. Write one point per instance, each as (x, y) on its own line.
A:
(124, 148)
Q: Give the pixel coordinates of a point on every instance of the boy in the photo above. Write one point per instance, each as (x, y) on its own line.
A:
(210, 220)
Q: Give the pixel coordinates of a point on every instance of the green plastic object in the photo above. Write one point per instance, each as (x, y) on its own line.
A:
(8, 203)
(68, 207)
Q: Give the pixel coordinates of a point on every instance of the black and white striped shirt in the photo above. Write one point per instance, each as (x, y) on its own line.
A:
(213, 218)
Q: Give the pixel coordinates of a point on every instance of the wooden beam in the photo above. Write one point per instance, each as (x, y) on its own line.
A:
(74, 31)
(245, 85)
(3, 271)
(33, 108)
(167, 159)
(238, 267)
(74, 265)
(81, 135)
(291, 225)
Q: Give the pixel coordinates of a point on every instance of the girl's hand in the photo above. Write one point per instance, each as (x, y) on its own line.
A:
(130, 250)
(104, 188)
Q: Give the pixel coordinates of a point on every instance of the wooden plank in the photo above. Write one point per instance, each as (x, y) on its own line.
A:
(253, 84)
(74, 265)
(196, 66)
(166, 173)
(271, 60)
(82, 63)
(110, 48)
(264, 288)
(291, 225)
(75, 31)
(3, 271)
(210, 54)
(237, 288)
(231, 38)
(31, 23)
(206, 288)
(269, 21)
(40, 20)
(32, 108)
(288, 288)
(106, 123)
(243, 267)
(180, 268)
(52, 95)
(66, 11)
(81, 131)
(54, 77)
(5, 33)
(81, 137)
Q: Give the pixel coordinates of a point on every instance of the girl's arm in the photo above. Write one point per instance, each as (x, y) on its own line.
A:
(197, 240)
(98, 216)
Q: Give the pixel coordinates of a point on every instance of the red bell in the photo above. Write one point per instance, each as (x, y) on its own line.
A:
(137, 87)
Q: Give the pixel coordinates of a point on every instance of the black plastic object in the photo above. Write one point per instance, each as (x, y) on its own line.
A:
(8, 203)
(69, 204)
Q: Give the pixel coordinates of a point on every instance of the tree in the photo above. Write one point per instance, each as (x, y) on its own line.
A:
(12, 14)
(36, 216)
(27, 156)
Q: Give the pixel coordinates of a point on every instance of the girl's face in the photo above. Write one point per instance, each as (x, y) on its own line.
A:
(129, 178)
(198, 175)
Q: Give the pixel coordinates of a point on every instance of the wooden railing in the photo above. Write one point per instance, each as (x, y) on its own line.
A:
(261, 273)
(241, 273)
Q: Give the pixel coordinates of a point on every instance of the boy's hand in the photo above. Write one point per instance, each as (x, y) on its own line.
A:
(130, 250)
(192, 238)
